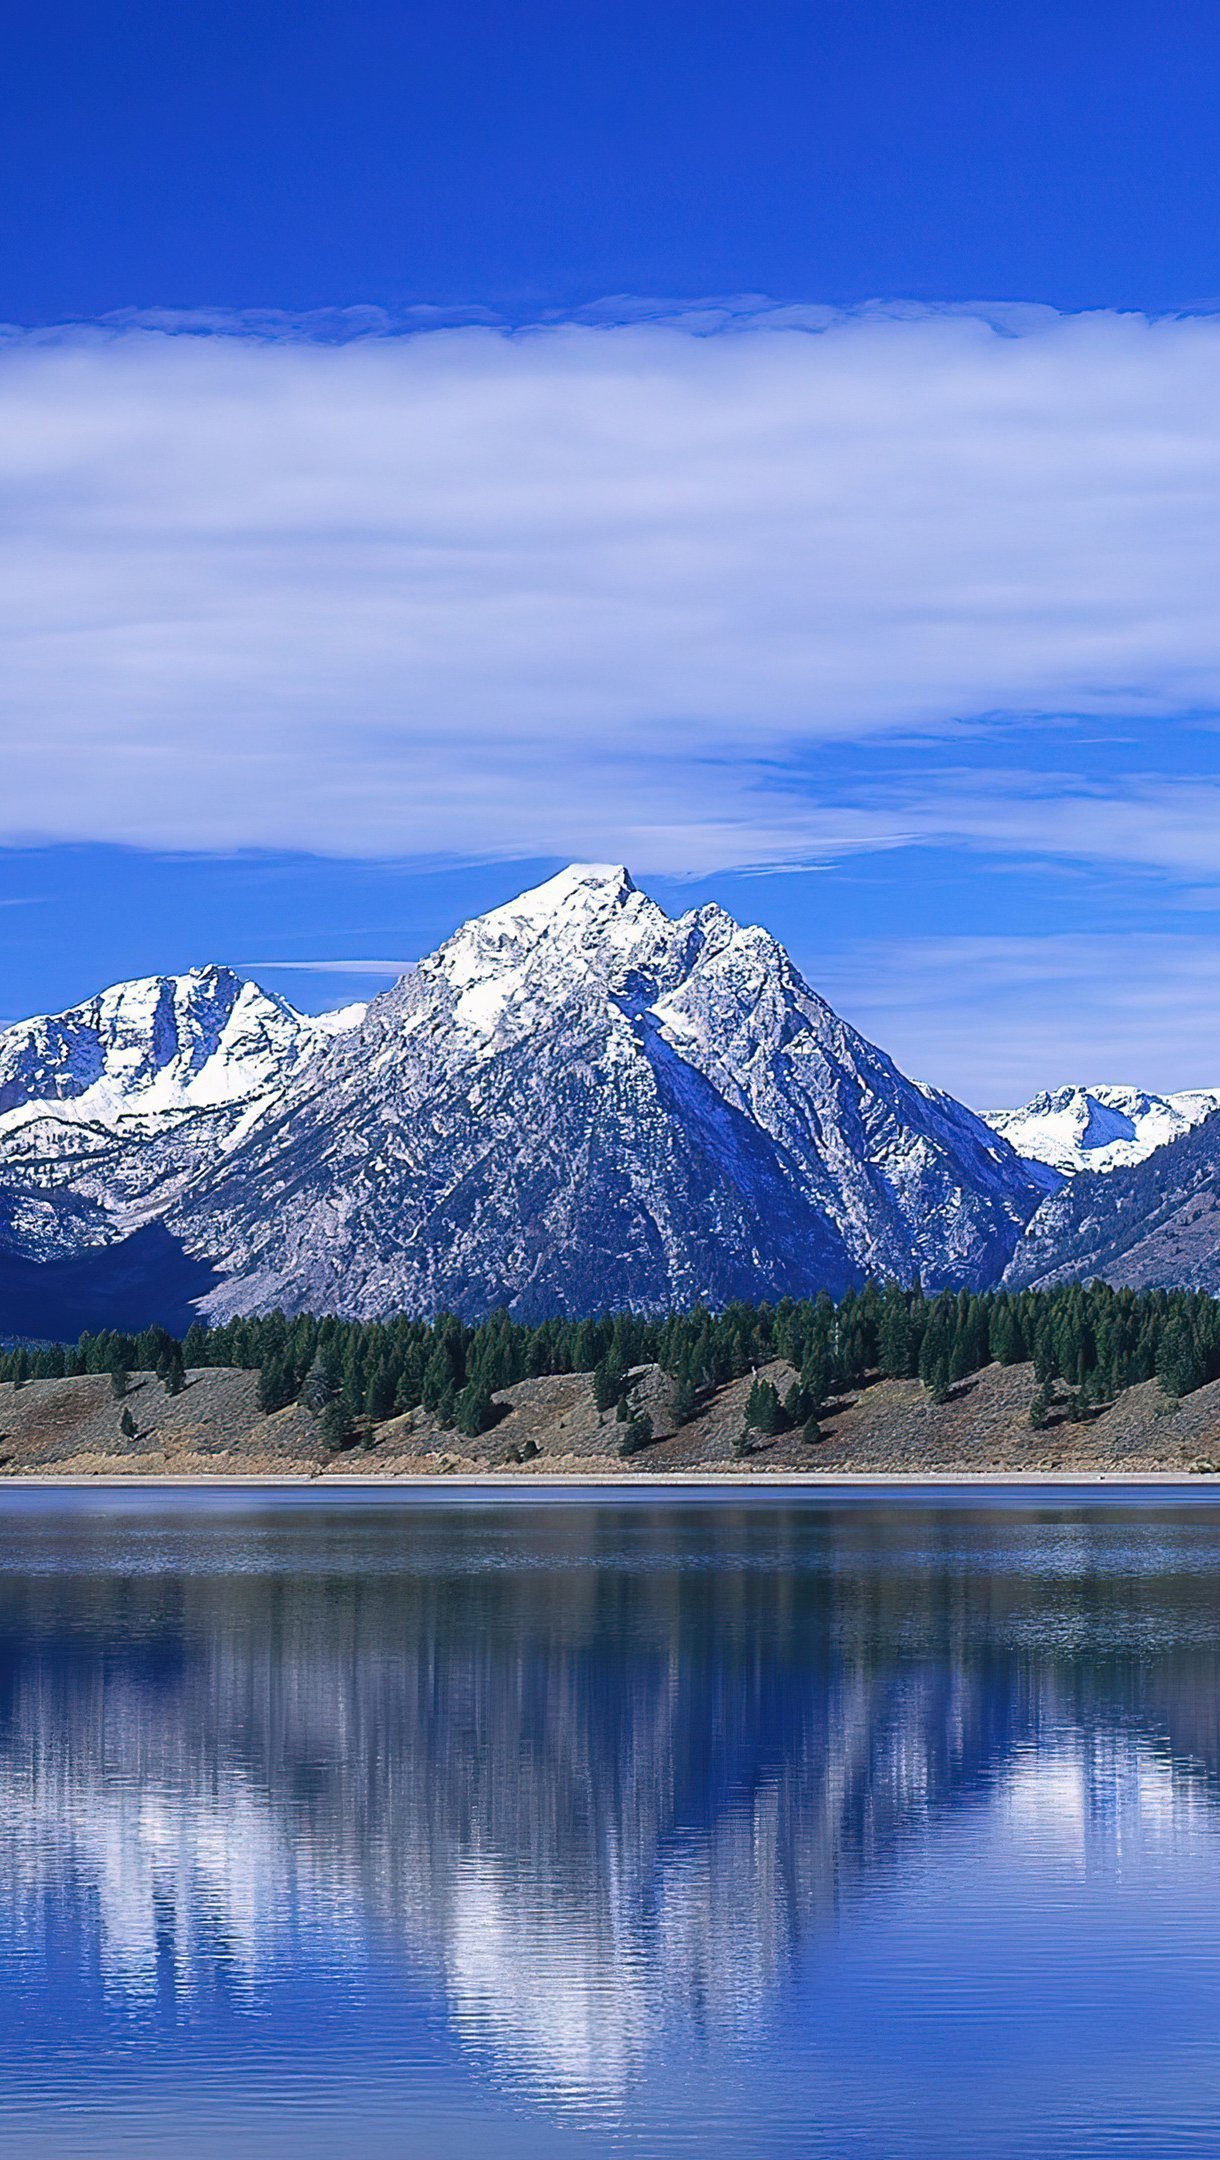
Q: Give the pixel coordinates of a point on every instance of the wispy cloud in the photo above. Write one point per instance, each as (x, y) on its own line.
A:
(1149, 822)
(391, 968)
(997, 1018)
(597, 587)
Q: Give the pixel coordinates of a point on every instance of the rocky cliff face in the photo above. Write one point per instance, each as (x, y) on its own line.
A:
(578, 1102)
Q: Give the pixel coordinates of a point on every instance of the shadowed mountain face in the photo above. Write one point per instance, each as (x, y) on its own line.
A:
(145, 1280)
(1156, 1225)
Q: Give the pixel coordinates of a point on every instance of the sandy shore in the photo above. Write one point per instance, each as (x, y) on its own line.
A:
(546, 1483)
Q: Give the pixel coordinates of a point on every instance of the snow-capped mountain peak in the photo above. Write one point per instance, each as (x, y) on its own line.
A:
(340, 1021)
(578, 1099)
(580, 936)
(1100, 1128)
(160, 1045)
(581, 894)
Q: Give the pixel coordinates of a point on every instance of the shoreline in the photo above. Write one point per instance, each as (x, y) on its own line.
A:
(775, 1483)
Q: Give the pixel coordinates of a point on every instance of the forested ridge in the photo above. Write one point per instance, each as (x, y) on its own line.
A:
(1094, 1340)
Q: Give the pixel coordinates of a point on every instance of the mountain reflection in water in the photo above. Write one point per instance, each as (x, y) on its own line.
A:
(601, 1784)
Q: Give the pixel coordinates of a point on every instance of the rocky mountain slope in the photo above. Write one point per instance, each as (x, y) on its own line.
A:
(1103, 1128)
(1154, 1225)
(578, 1102)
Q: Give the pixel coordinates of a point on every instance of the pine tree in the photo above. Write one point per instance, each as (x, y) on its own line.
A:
(938, 1379)
(637, 1432)
(1179, 1367)
(381, 1393)
(763, 1411)
(1040, 1408)
(963, 1357)
(408, 1387)
(816, 1378)
(439, 1378)
(475, 1411)
(682, 1401)
(609, 1381)
(895, 1345)
(1046, 1367)
(321, 1385)
(127, 1424)
(336, 1425)
(195, 1345)
(275, 1388)
(798, 1406)
(932, 1350)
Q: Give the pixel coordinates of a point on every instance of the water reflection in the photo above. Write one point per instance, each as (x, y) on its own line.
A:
(603, 1780)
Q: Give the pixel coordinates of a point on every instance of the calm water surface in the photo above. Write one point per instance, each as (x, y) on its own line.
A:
(417, 1828)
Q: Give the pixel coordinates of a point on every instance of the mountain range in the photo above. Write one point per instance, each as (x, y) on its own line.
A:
(576, 1102)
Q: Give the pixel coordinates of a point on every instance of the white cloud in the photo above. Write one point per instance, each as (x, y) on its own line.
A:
(587, 589)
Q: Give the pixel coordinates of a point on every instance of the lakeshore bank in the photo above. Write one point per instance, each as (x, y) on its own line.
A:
(888, 1433)
(774, 1484)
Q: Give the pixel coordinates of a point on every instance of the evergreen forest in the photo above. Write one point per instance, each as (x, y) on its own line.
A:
(1093, 1340)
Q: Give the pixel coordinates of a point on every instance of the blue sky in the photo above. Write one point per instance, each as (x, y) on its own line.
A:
(775, 446)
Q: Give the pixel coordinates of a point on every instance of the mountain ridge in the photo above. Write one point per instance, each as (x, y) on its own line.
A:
(575, 1099)
(108, 1108)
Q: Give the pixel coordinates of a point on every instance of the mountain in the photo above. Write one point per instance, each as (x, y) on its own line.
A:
(578, 1102)
(1100, 1128)
(1154, 1225)
(109, 1109)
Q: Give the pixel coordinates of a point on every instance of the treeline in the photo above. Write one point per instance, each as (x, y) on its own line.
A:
(1094, 1340)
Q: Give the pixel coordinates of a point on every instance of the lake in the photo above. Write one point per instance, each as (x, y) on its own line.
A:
(431, 1827)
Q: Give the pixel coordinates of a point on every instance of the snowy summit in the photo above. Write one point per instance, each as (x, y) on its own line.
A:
(1100, 1128)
